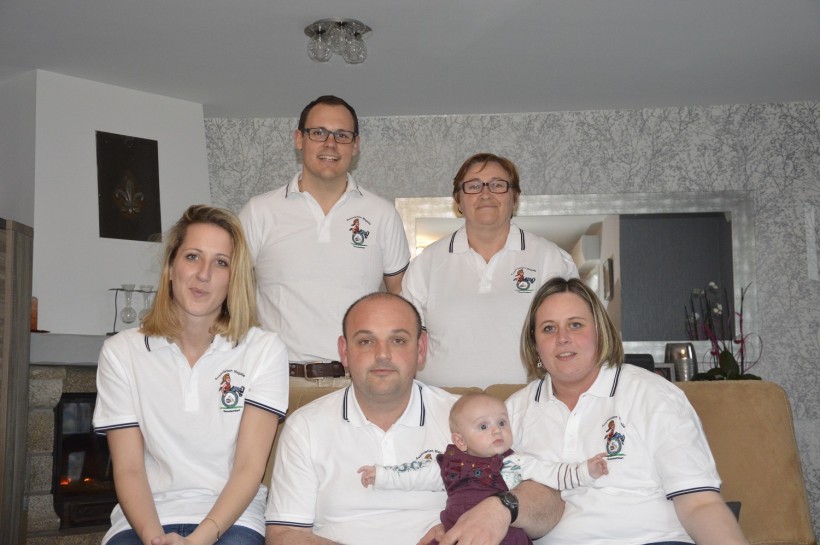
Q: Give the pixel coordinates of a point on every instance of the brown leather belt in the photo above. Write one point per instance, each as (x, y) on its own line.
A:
(317, 369)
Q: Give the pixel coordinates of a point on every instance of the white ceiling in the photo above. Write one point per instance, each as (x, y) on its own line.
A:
(247, 58)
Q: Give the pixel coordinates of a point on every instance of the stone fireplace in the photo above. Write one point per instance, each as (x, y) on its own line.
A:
(46, 386)
(83, 481)
(48, 381)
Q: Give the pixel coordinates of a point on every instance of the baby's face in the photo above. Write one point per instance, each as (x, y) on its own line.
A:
(483, 428)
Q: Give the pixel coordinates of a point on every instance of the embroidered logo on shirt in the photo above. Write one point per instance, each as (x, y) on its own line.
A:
(523, 283)
(614, 440)
(230, 393)
(511, 472)
(422, 460)
(358, 235)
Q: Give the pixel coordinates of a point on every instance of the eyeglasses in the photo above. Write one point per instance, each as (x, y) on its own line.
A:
(320, 134)
(477, 186)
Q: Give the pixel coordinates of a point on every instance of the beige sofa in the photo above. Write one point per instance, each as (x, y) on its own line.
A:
(749, 427)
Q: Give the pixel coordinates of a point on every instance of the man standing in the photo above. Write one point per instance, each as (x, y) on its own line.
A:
(321, 242)
(386, 417)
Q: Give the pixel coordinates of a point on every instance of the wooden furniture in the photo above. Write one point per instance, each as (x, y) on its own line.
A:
(16, 251)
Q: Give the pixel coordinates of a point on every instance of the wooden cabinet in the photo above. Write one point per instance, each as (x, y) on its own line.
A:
(16, 244)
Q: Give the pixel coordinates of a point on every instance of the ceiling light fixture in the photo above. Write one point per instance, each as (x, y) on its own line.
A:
(344, 37)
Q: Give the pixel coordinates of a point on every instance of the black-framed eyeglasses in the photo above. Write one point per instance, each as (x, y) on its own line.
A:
(320, 134)
(477, 186)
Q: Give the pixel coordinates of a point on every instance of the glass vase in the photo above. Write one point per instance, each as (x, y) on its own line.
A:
(147, 299)
(128, 314)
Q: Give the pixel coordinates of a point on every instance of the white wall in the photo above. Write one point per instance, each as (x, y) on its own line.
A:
(73, 266)
(17, 114)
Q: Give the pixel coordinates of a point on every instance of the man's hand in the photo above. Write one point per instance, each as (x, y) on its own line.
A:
(539, 510)
(434, 533)
(485, 524)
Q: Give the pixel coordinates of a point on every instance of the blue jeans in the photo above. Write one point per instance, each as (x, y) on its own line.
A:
(236, 535)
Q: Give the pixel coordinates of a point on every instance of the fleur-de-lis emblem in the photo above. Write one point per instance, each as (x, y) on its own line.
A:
(127, 198)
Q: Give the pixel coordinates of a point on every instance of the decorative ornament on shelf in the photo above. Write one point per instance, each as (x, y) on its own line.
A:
(147, 300)
(128, 314)
(710, 317)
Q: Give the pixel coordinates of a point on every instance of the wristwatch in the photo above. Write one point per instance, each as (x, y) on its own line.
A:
(509, 501)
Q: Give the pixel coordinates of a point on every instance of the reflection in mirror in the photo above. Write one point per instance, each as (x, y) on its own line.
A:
(661, 247)
(663, 258)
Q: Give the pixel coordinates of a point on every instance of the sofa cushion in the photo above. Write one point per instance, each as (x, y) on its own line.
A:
(749, 428)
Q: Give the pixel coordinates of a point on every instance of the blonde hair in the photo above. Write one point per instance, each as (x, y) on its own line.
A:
(609, 348)
(239, 308)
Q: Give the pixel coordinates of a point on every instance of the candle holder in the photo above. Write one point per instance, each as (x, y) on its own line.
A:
(147, 291)
(128, 314)
(125, 316)
(682, 355)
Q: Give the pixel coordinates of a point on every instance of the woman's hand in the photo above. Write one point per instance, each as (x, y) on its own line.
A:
(169, 539)
(200, 536)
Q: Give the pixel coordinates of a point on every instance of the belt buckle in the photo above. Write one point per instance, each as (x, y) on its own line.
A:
(309, 365)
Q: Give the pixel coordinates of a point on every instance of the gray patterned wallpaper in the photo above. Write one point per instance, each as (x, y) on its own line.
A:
(772, 149)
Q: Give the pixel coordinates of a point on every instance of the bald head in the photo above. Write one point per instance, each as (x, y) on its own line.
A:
(377, 298)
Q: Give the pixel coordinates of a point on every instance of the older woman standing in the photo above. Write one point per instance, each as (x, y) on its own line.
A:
(473, 287)
(191, 399)
(662, 486)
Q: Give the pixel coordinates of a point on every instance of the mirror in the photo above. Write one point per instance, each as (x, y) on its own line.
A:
(427, 219)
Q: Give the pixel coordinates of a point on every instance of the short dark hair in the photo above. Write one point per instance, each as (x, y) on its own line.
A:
(328, 100)
(386, 296)
(484, 159)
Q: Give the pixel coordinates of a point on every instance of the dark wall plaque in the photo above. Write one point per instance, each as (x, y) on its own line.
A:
(128, 187)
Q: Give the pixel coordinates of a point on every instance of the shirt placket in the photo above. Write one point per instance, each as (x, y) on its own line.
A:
(191, 377)
(387, 445)
(572, 433)
(485, 272)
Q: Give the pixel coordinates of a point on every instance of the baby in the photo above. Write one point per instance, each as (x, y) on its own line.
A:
(480, 463)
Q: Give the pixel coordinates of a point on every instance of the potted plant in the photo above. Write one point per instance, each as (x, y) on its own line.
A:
(709, 316)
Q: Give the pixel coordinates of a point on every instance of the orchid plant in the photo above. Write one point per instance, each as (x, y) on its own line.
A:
(710, 317)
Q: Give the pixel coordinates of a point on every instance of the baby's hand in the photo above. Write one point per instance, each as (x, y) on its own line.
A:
(597, 465)
(369, 475)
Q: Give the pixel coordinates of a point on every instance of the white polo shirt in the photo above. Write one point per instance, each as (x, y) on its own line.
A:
(315, 483)
(660, 452)
(309, 268)
(188, 428)
(474, 310)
